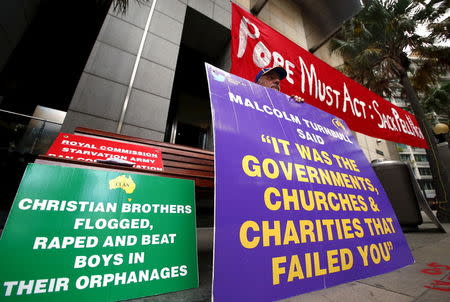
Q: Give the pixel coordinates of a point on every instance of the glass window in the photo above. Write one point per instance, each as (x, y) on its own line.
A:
(401, 147)
(405, 157)
(427, 185)
(425, 171)
(418, 149)
(420, 157)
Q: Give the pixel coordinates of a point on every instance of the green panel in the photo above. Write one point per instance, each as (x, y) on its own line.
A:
(87, 209)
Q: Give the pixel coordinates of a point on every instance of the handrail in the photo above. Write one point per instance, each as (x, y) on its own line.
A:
(29, 116)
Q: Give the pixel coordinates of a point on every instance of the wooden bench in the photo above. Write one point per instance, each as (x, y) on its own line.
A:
(179, 161)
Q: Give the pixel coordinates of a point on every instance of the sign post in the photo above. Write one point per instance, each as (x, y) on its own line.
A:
(298, 207)
(87, 235)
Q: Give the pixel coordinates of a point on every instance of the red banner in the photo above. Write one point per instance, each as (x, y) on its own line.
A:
(92, 149)
(255, 45)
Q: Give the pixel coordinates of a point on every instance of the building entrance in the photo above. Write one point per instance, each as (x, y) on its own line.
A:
(203, 40)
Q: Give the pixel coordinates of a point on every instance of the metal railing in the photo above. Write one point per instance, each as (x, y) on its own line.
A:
(26, 134)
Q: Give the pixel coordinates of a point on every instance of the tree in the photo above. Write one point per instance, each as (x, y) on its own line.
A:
(438, 101)
(121, 6)
(382, 52)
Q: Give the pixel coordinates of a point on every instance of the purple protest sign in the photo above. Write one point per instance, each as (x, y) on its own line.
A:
(298, 207)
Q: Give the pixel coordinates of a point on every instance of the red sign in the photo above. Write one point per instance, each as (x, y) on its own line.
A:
(255, 45)
(91, 149)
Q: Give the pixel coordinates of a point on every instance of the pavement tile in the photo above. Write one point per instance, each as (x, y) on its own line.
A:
(436, 252)
(432, 295)
(351, 292)
(423, 238)
(408, 280)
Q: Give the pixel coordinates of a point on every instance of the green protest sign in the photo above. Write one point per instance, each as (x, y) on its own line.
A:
(89, 235)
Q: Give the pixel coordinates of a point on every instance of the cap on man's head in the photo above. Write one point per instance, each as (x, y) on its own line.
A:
(280, 70)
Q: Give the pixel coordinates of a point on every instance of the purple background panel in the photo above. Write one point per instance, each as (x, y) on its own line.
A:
(245, 274)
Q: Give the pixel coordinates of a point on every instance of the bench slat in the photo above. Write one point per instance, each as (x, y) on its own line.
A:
(192, 160)
(165, 147)
(202, 179)
(188, 166)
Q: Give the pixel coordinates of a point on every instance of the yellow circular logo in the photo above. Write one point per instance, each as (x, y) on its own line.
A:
(338, 124)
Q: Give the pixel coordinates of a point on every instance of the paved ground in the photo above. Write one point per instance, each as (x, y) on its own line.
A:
(404, 285)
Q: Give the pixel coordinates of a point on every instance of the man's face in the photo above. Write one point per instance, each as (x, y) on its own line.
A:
(270, 80)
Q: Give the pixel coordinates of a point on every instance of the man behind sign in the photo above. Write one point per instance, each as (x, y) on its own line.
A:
(271, 78)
